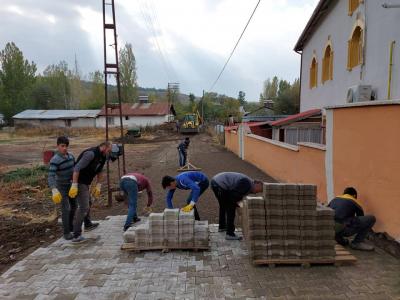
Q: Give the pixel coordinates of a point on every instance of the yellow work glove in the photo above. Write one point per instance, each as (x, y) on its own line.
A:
(188, 208)
(96, 191)
(73, 191)
(56, 197)
(147, 210)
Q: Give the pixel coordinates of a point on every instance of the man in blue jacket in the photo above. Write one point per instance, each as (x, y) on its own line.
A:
(350, 220)
(197, 182)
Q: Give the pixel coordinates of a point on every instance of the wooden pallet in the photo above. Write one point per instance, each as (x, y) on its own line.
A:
(164, 249)
(343, 257)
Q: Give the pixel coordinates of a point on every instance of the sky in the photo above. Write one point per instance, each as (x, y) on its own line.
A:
(173, 40)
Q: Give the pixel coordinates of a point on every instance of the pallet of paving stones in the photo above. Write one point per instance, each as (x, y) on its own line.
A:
(287, 226)
(172, 229)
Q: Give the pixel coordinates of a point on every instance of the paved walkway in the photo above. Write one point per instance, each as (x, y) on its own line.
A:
(100, 270)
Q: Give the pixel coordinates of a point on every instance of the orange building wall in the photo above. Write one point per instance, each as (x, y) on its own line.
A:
(307, 165)
(366, 155)
(232, 141)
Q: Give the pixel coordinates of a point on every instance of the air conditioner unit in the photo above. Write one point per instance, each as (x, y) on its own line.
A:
(359, 93)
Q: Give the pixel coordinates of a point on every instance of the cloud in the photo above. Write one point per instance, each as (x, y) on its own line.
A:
(195, 39)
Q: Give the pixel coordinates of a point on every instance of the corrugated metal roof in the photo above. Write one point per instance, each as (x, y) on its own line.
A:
(139, 109)
(289, 119)
(53, 114)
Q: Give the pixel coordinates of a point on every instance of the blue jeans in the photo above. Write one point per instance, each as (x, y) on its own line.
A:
(130, 188)
(182, 158)
(203, 185)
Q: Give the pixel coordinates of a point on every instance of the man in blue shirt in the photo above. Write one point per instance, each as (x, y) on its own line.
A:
(197, 182)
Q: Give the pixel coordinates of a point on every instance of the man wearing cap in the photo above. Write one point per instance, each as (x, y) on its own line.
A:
(89, 165)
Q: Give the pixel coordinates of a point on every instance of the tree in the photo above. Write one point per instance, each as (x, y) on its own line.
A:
(241, 98)
(17, 77)
(270, 90)
(57, 78)
(288, 100)
(128, 77)
(96, 96)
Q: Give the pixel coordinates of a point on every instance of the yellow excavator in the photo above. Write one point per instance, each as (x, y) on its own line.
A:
(191, 123)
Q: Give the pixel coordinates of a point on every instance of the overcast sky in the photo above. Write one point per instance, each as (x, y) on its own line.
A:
(195, 38)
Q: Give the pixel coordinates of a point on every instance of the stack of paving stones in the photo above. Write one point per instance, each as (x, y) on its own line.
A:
(287, 223)
(171, 229)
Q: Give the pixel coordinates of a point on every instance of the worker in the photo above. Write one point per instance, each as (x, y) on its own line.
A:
(130, 185)
(182, 151)
(61, 168)
(350, 220)
(195, 181)
(89, 165)
(229, 188)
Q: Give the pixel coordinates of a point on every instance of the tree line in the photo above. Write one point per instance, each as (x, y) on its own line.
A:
(59, 86)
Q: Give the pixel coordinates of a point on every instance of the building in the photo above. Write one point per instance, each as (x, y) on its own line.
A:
(137, 114)
(56, 118)
(349, 43)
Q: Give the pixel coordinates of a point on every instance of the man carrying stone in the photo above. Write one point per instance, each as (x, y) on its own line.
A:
(131, 184)
(350, 220)
(60, 175)
(89, 165)
(229, 188)
(195, 181)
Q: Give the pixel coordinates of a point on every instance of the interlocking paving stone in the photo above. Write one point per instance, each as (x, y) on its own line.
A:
(100, 270)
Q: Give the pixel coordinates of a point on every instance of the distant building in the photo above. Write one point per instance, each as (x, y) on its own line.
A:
(349, 50)
(137, 114)
(56, 118)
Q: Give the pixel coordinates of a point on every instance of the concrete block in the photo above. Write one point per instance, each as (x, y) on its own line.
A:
(257, 234)
(156, 217)
(171, 214)
(256, 213)
(255, 202)
(129, 236)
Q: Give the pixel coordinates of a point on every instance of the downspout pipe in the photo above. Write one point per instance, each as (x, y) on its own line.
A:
(390, 69)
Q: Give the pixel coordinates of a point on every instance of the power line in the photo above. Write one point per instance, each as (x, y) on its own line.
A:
(234, 48)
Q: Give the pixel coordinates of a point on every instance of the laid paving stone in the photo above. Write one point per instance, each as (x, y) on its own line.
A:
(225, 272)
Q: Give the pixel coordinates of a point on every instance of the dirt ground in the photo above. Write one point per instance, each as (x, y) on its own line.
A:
(28, 218)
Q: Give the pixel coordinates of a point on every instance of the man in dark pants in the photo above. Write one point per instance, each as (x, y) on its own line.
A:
(89, 164)
(60, 175)
(182, 151)
(350, 220)
(195, 181)
(229, 188)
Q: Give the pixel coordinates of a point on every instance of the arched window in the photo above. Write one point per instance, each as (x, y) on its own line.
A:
(355, 48)
(313, 73)
(353, 4)
(327, 64)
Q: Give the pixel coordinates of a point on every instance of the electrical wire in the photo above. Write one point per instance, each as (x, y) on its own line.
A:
(234, 48)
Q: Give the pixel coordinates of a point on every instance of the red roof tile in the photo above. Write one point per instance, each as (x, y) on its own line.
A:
(297, 117)
(139, 109)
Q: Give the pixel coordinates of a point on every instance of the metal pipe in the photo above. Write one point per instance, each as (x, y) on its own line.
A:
(390, 69)
(387, 5)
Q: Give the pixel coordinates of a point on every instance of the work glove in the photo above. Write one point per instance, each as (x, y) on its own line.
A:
(147, 210)
(188, 207)
(73, 191)
(56, 197)
(96, 191)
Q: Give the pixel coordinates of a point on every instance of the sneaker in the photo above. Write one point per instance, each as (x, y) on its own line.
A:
(233, 237)
(362, 246)
(78, 240)
(68, 236)
(136, 219)
(221, 229)
(91, 226)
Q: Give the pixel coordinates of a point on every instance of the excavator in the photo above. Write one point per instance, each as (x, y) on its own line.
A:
(191, 123)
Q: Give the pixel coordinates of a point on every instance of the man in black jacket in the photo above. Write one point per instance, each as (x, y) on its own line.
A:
(229, 188)
(89, 165)
(350, 220)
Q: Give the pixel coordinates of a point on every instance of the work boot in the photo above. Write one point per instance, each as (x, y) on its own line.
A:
(68, 236)
(91, 227)
(233, 237)
(126, 227)
(136, 219)
(341, 240)
(362, 246)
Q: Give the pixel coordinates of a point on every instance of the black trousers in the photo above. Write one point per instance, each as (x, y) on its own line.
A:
(227, 208)
(203, 185)
(359, 226)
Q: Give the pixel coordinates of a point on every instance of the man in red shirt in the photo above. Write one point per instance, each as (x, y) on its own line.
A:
(131, 184)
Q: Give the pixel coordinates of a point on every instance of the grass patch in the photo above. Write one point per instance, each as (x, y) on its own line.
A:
(31, 176)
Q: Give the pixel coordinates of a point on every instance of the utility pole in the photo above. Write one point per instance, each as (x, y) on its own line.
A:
(202, 107)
